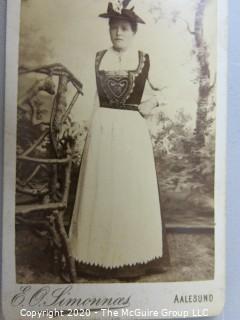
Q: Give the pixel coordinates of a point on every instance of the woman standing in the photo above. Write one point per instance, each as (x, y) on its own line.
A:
(117, 227)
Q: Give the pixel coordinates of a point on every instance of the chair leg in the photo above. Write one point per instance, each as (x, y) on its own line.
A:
(66, 246)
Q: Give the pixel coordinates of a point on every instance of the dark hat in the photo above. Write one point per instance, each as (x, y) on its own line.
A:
(119, 10)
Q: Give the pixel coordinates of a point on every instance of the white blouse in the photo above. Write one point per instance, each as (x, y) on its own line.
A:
(119, 61)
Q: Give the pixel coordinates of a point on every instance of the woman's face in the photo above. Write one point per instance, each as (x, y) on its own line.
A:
(121, 34)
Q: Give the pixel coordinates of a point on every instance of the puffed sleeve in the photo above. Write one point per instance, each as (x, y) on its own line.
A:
(152, 96)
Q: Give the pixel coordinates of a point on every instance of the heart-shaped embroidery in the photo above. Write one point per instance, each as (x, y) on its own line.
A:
(117, 87)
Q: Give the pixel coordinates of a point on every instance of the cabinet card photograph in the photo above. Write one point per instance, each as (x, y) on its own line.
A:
(114, 166)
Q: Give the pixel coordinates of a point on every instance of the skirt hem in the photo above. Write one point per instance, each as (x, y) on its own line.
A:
(98, 265)
(127, 272)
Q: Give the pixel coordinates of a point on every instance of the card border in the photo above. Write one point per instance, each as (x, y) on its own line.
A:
(8, 268)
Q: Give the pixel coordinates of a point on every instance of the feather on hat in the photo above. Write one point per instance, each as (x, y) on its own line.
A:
(118, 9)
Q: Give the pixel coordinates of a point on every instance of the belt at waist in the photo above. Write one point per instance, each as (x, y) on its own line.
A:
(122, 106)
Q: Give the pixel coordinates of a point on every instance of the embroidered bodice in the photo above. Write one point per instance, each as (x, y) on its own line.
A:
(119, 89)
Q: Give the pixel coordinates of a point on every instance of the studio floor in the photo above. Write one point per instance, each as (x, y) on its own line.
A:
(191, 253)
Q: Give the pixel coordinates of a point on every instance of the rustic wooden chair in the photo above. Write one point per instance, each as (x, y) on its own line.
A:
(44, 163)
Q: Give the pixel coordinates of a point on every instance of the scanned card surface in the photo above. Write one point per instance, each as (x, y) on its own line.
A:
(114, 165)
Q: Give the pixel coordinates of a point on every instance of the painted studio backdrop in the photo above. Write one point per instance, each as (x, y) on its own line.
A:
(59, 40)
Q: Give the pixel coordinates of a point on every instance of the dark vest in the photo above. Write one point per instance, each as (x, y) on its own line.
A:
(122, 90)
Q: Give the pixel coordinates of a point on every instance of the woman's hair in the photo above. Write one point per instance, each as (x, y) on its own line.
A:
(133, 24)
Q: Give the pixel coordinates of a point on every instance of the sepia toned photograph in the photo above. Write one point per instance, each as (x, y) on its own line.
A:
(115, 141)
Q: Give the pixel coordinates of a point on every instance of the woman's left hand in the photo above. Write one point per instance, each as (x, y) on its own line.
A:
(146, 107)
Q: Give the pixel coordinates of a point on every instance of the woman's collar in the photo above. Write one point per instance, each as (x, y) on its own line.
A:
(131, 51)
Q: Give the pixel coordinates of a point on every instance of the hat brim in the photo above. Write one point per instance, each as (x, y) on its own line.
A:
(136, 18)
